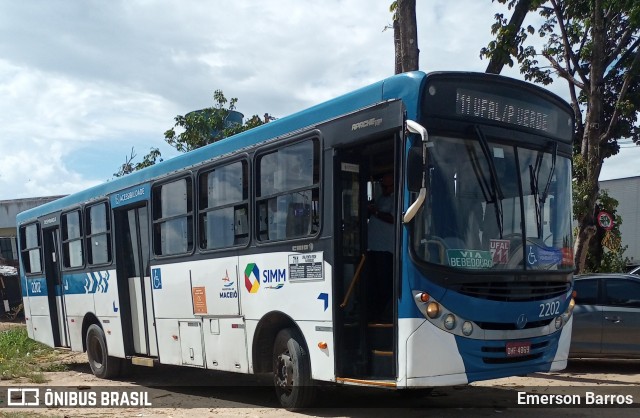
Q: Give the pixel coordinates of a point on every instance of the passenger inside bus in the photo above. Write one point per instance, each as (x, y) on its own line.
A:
(380, 249)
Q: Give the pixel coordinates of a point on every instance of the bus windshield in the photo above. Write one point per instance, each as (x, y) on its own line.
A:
(493, 206)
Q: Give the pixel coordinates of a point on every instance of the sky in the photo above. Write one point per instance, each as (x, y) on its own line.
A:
(82, 83)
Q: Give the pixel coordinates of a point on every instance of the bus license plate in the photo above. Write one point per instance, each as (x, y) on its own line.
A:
(515, 349)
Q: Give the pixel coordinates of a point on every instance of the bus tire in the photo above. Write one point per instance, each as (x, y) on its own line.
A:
(292, 371)
(102, 364)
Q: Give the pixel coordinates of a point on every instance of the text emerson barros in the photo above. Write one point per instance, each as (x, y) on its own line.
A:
(589, 398)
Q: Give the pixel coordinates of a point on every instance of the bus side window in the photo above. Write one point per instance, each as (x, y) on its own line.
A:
(224, 197)
(72, 234)
(30, 248)
(287, 192)
(173, 218)
(98, 239)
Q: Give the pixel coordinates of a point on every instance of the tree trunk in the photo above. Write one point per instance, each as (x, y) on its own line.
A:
(408, 34)
(398, 45)
(591, 139)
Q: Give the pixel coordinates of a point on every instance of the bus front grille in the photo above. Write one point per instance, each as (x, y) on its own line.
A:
(515, 291)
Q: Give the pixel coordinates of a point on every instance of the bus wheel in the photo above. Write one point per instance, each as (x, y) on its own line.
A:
(292, 371)
(102, 364)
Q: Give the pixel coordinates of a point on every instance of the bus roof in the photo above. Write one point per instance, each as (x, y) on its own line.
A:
(404, 85)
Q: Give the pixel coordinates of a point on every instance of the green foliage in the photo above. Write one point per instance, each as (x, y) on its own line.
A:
(599, 258)
(148, 160)
(595, 46)
(196, 129)
(203, 127)
(20, 355)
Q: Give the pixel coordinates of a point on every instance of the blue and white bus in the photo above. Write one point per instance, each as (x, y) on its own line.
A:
(251, 254)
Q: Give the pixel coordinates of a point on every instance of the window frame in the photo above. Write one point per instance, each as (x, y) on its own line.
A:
(156, 205)
(202, 175)
(598, 300)
(606, 301)
(315, 188)
(64, 242)
(89, 234)
(26, 250)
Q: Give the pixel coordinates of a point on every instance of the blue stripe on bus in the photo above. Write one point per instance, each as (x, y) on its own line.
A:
(131, 195)
(85, 283)
(74, 284)
(35, 286)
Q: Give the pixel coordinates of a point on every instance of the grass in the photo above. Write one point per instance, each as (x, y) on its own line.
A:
(21, 356)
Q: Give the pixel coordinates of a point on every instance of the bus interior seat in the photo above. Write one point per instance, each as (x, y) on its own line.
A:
(298, 220)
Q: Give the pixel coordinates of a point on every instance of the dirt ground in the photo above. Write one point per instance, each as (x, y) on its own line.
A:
(185, 392)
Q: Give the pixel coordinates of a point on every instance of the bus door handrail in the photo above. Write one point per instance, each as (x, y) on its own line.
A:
(355, 279)
(416, 128)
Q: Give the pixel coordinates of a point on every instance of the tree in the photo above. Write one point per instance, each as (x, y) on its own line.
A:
(405, 35)
(594, 46)
(508, 35)
(129, 166)
(197, 129)
(600, 259)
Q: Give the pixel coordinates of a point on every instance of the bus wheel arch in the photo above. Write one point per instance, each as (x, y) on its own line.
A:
(265, 336)
(89, 319)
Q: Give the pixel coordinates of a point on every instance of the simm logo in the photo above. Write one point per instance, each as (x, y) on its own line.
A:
(251, 277)
(272, 279)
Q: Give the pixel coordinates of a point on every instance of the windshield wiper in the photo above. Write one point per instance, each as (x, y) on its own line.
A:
(496, 191)
(534, 172)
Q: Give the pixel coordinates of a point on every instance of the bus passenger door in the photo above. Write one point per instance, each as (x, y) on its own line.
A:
(349, 265)
(134, 282)
(365, 326)
(56, 290)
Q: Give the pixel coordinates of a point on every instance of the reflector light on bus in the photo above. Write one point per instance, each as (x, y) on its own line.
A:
(449, 321)
(322, 345)
(558, 322)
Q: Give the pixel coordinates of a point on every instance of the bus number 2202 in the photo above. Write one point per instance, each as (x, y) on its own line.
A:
(35, 287)
(549, 308)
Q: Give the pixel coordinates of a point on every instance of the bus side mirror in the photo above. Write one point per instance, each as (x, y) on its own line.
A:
(415, 169)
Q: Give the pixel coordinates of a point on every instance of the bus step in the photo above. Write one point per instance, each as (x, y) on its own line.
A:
(142, 361)
(380, 336)
(382, 363)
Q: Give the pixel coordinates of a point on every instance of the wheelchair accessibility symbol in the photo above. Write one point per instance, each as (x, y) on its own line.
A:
(531, 257)
(156, 275)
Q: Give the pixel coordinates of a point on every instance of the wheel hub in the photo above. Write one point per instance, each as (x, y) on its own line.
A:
(284, 371)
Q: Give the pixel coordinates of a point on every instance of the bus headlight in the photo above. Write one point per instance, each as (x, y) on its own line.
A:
(567, 314)
(433, 310)
(449, 321)
(558, 322)
(467, 328)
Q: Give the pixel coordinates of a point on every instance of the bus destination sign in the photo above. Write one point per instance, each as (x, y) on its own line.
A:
(504, 109)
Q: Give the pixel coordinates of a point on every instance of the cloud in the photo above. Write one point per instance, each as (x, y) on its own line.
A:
(84, 82)
(47, 118)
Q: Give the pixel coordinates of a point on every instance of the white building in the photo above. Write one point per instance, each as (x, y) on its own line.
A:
(627, 192)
